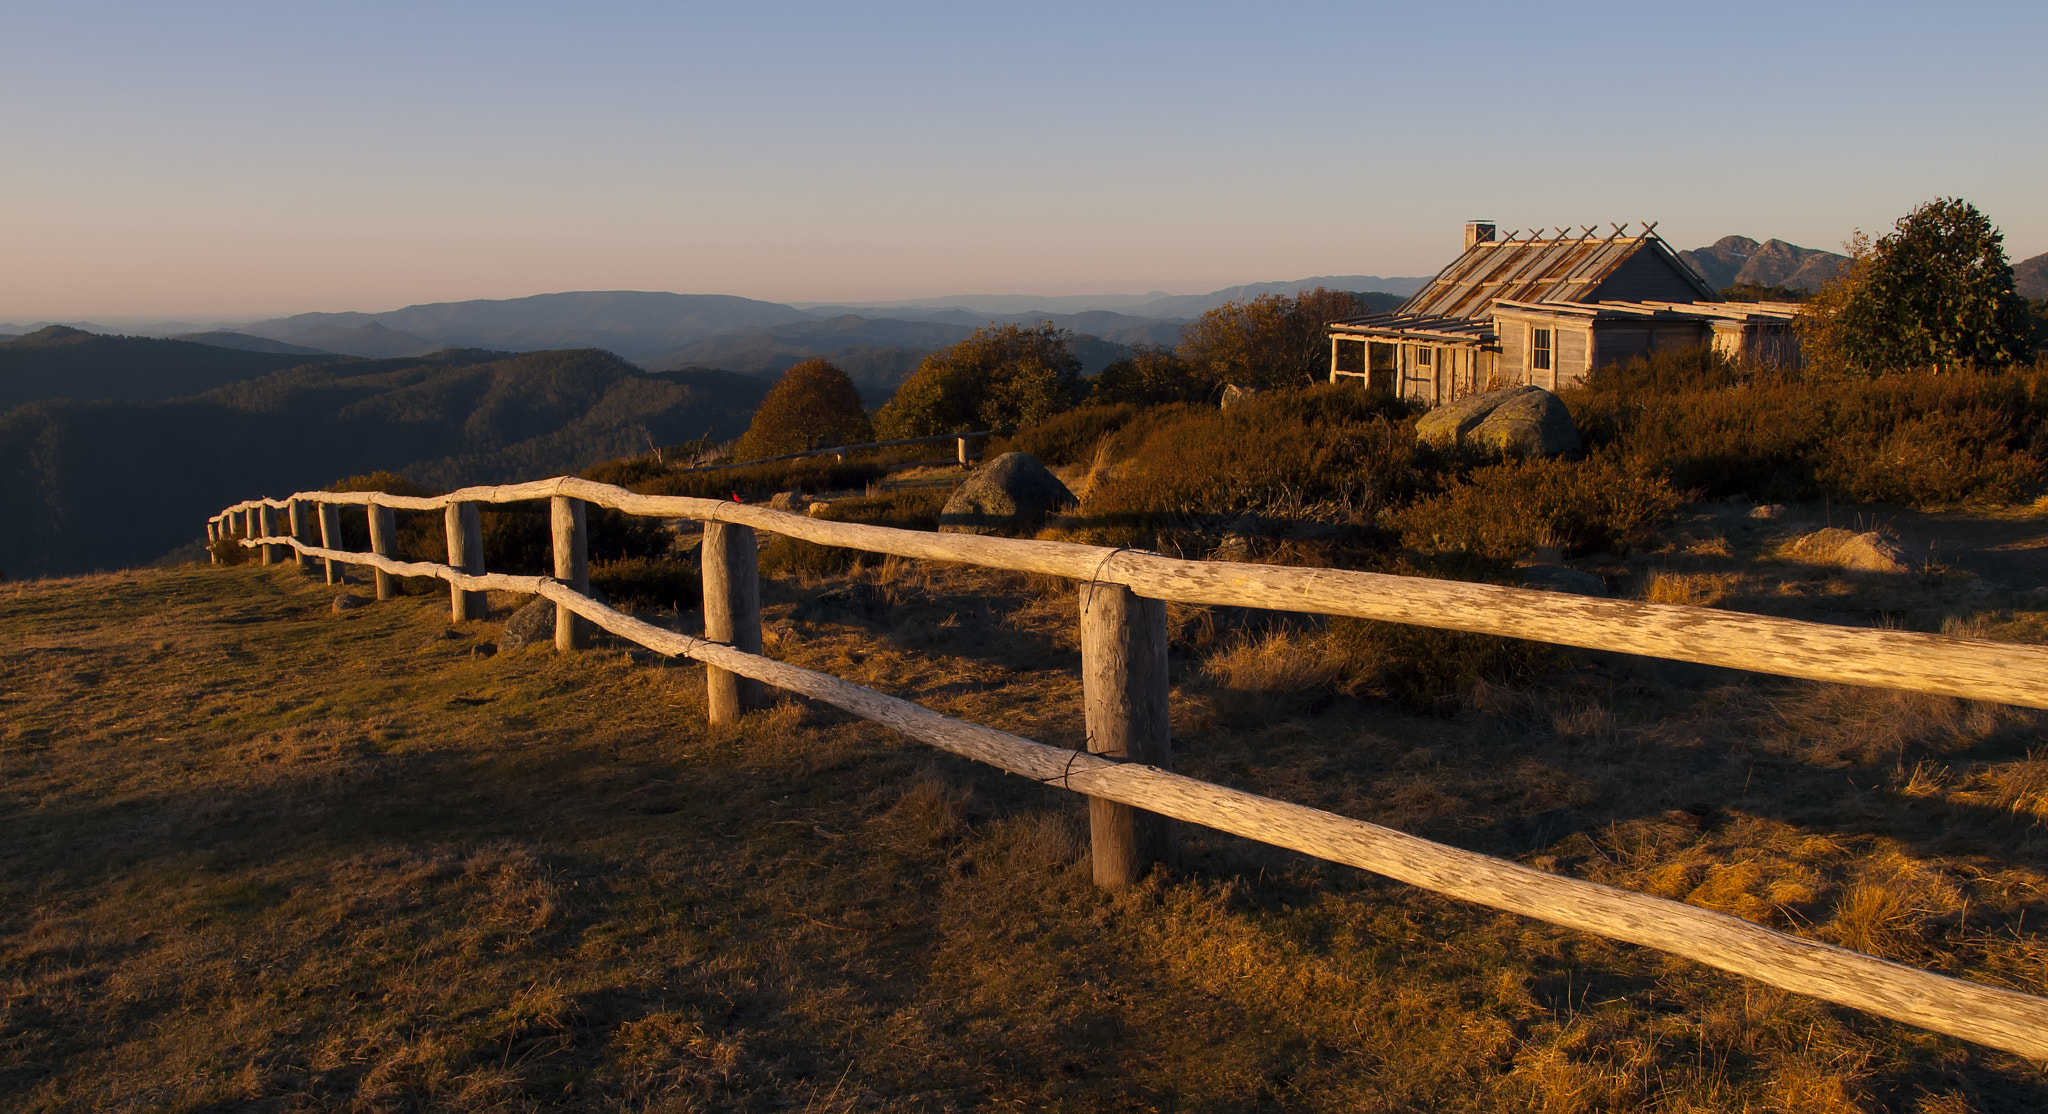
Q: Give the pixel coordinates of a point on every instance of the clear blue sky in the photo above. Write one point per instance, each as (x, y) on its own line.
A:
(239, 159)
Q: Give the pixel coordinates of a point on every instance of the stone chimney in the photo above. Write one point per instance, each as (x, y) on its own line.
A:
(1478, 232)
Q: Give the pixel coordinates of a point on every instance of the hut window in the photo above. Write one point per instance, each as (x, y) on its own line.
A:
(1424, 357)
(1539, 349)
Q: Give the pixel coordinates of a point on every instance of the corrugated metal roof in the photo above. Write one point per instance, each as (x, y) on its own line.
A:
(1421, 327)
(1562, 270)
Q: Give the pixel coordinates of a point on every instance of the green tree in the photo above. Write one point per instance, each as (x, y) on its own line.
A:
(1936, 292)
(1002, 377)
(1270, 341)
(1152, 376)
(813, 406)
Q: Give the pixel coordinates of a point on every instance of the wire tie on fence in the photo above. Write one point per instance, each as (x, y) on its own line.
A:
(1065, 773)
(1088, 597)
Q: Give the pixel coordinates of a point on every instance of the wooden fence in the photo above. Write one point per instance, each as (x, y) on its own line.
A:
(1135, 798)
(961, 450)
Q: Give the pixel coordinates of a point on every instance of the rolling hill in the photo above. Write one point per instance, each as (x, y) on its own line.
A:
(117, 482)
(59, 362)
(225, 338)
(2030, 277)
(639, 325)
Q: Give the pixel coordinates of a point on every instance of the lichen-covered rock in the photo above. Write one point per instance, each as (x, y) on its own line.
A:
(1010, 494)
(1516, 421)
(1235, 393)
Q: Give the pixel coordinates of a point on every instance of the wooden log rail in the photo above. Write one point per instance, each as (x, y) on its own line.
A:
(1971, 668)
(841, 450)
(1999, 1018)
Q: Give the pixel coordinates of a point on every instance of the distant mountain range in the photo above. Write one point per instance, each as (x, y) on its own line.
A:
(129, 477)
(671, 331)
(1739, 259)
(640, 326)
(1157, 305)
(879, 341)
(2030, 277)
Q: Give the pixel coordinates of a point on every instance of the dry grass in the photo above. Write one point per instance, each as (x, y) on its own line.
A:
(264, 856)
(1689, 589)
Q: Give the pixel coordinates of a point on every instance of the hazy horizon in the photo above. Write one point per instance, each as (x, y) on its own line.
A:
(231, 162)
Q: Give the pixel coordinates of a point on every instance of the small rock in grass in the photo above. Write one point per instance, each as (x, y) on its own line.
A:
(1235, 394)
(1768, 510)
(348, 601)
(1010, 494)
(1865, 552)
(530, 624)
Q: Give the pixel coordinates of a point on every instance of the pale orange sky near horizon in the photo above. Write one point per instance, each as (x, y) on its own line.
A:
(227, 162)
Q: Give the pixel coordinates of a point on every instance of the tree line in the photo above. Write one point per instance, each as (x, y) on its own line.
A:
(1016, 376)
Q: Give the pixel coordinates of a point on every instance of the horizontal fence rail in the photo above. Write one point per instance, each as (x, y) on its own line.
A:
(837, 450)
(1999, 1018)
(1972, 668)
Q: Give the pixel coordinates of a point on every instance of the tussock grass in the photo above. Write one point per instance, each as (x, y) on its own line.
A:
(266, 856)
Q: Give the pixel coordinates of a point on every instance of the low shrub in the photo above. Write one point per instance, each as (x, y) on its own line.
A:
(1503, 511)
(1260, 676)
(1918, 439)
(649, 582)
(1329, 451)
(1070, 438)
(227, 547)
(758, 483)
(1429, 670)
(913, 507)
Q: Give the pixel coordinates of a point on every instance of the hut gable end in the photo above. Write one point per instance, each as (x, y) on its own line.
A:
(1653, 275)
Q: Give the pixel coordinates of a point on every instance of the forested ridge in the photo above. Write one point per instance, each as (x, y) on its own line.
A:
(114, 482)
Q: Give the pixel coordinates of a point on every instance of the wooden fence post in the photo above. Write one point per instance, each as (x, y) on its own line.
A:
(302, 533)
(963, 452)
(572, 567)
(464, 526)
(212, 537)
(1124, 687)
(732, 614)
(330, 538)
(270, 554)
(383, 532)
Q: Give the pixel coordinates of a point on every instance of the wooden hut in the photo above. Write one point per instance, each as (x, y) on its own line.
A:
(1546, 311)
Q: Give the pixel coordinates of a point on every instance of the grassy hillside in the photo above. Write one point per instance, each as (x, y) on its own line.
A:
(262, 854)
(107, 484)
(56, 362)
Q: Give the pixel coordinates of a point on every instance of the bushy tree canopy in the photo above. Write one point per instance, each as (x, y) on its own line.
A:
(1936, 293)
(1151, 377)
(813, 406)
(1002, 377)
(1270, 341)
